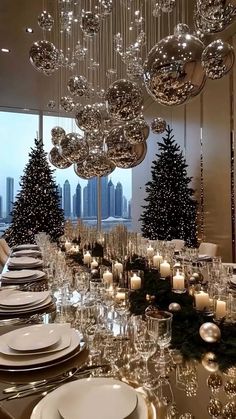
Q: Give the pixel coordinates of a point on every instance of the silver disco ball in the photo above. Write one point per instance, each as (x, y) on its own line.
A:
(94, 138)
(89, 119)
(167, 6)
(218, 59)
(158, 125)
(212, 16)
(44, 56)
(124, 100)
(45, 21)
(119, 150)
(78, 86)
(90, 23)
(136, 131)
(105, 7)
(57, 160)
(67, 103)
(173, 73)
(73, 148)
(57, 133)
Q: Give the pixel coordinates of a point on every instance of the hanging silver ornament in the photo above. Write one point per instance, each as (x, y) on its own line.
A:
(57, 133)
(78, 107)
(167, 6)
(73, 148)
(214, 408)
(80, 52)
(124, 100)
(105, 7)
(210, 332)
(100, 163)
(173, 307)
(135, 69)
(156, 11)
(229, 410)
(90, 23)
(44, 56)
(89, 118)
(181, 29)
(83, 170)
(45, 21)
(66, 18)
(67, 103)
(51, 104)
(217, 59)
(158, 125)
(78, 85)
(136, 131)
(173, 73)
(94, 138)
(211, 16)
(57, 160)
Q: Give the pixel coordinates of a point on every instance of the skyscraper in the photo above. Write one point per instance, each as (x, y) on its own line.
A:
(59, 188)
(67, 199)
(77, 211)
(74, 205)
(111, 198)
(130, 209)
(104, 197)
(9, 196)
(92, 197)
(1, 214)
(118, 200)
(85, 201)
(125, 208)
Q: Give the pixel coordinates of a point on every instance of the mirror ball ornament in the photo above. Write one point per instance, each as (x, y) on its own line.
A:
(67, 103)
(167, 6)
(217, 59)
(94, 138)
(209, 362)
(173, 73)
(90, 23)
(89, 119)
(210, 332)
(51, 104)
(158, 125)
(124, 100)
(73, 148)
(174, 307)
(45, 21)
(57, 160)
(44, 56)
(136, 131)
(229, 410)
(97, 164)
(57, 133)
(212, 16)
(78, 86)
(106, 7)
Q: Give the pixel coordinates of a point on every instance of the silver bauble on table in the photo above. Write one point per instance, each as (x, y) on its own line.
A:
(73, 148)
(89, 118)
(173, 73)
(90, 23)
(78, 86)
(67, 103)
(209, 362)
(217, 59)
(210, 332)
(57, 160)
(45, 21)
(136, 131)
(124, 100)
(158, 125)
(57, 134)
(174, 307)
(44, 56)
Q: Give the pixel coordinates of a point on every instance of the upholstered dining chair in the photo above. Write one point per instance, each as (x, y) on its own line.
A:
(179, 244)
(5, 247)
(3, 257)
(208, 249)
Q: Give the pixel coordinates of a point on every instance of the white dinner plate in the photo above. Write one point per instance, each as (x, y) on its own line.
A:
(17, 298)
(26, 309)
(64, 342)
(38, 360)
(26, 246)
(23, 260)
(26, 252)
(233, 280)
(48, 406)
(23, 273)
(38, 276)
(33, 338)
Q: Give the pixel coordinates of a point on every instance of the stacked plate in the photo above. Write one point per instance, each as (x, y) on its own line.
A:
(25, 247)
(27, 252)
(20, 302)
(38, 346)
(24, 262)
(233, 282)
(21, 277)
(100, 398)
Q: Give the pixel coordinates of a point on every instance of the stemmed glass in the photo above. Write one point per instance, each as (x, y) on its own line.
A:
(81, 284)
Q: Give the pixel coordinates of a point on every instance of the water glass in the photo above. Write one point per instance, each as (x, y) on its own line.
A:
(159, 324)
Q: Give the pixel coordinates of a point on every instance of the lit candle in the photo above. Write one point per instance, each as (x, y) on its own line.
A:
(165, 269)
(150, 252)
(87, 258)
(178, 281)
(220, 309)
(202, 300)
(107, 277)
(94, 264)
(157, 259)
(118, 267)
(67, 245)
(135, 282)
(120, 295)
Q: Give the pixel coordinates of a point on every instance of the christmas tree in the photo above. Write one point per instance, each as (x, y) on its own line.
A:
(170, 212)
(37, 205)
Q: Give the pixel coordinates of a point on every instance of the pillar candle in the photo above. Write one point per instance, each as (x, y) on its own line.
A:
(120, 295)
(157, 259)
(135, 282)
(94, 264)
(87, 258)
(107, 277)
(202, 301)
(118, 267)
(150, 252)
(165, 269)
(178, 281)
(67, 245)
(221, 310)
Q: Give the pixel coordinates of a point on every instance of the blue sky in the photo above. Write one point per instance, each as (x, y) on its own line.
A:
(17, 133)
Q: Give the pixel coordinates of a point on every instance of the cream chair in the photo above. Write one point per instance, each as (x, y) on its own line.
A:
(179, 244)
(208, 249)
(3, 257)
(5, 247)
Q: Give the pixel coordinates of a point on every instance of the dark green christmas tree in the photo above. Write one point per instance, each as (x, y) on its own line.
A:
(171, 210)
(37, 205)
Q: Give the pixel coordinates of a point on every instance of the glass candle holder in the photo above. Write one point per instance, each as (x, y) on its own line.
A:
(221, 307)
(232, 300)
(135, 279)
(178, 282)
(203, 302)
(117, 271)
(107, 276)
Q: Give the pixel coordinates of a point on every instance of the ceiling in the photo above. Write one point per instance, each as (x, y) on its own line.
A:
(23, 87)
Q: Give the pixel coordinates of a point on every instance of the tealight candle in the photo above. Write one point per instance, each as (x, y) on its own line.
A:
(202, 300)
(87, 258)
(165, 269)
(135, 282)
(178, 281)
(107, 277)
(120, 295)
(118, 267)
(157, 259)
(94, 264)
(221, 309)
(150, 252)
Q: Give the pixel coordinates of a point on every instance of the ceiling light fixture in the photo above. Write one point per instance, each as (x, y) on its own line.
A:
(29, 30)
(5, 49)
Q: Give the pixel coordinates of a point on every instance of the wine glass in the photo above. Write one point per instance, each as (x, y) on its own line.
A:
(81, 284)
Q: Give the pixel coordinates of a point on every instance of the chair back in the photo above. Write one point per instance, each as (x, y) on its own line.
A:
(209, 249)
(5, 247)
(179, 244)
(3, 257)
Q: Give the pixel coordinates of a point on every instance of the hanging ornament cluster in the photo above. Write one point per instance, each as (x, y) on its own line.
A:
(213, 16)
(217, 59)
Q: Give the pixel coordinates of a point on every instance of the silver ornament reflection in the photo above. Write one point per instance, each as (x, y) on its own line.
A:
(51, 104)
(167, 6)
(90, 23)
(73, 148)
(94, 138)
(210, 332)
(105, 7)
(45, 21)
(181, 29)
(78, 85)
(158, 125)
(124, 100)
(89, 118)
(44, 56)
(173, 73)
(67, 103)
(57, 160)
(217, 59)
(136, 131)
(57, 133)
